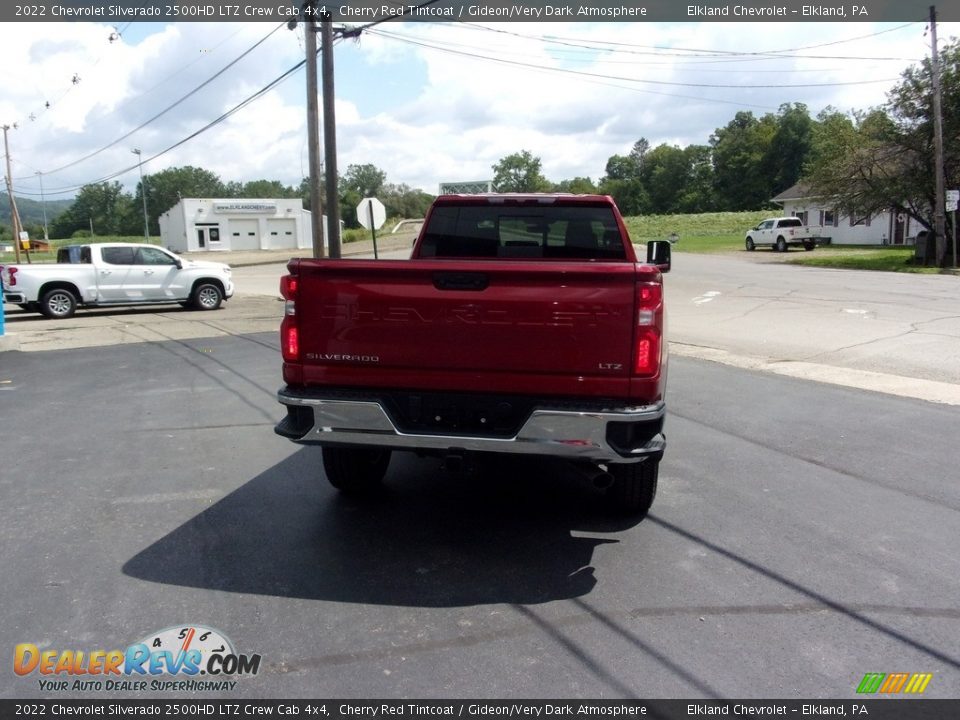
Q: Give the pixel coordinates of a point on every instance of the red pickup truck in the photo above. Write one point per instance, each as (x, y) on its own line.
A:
(521, 324)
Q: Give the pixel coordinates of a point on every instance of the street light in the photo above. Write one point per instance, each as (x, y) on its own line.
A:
(143, 193)
(43, 205)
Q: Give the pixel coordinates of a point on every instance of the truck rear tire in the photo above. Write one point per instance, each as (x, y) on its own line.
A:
(634, 487)
(355, 470)
(781, 245)
(808, 246)
(58, 304)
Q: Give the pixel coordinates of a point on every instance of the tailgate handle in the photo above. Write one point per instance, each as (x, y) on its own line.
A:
(460, 281)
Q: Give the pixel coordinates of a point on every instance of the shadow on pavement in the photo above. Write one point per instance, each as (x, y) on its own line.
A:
(430, 539)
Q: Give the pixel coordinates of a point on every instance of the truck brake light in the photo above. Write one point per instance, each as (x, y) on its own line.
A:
(291, 340)
(12, 275)
(289, 331)
(646, 356)
(288, 287)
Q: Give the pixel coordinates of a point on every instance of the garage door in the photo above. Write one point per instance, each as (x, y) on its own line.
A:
(243, 235)
(281, 234)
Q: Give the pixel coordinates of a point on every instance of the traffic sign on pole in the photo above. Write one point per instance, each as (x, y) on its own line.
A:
(953, 197)
(372, 215)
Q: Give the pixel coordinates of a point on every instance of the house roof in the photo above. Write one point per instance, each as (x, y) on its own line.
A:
(799, 191)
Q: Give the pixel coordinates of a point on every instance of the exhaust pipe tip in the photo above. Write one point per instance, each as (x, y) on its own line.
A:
(596, 474)
(603, 480)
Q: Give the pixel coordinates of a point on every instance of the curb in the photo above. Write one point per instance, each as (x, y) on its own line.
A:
(932, 391)
(9, 342)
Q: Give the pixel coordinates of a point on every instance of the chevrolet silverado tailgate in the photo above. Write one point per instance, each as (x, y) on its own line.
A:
(525, 327)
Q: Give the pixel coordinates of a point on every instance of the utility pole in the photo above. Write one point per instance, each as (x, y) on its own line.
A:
(13, 211)
(330, 137)
(313, 128)
(143, 194)
(43, 206)
(939, 212)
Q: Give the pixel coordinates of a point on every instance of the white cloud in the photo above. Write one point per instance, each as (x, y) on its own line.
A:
(423, 115)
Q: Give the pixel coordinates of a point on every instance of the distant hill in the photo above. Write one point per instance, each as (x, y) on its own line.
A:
(31, 211)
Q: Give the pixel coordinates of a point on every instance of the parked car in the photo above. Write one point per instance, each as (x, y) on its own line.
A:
(783, 233)
(107, 274)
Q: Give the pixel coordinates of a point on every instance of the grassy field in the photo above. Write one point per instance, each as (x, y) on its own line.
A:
(891, 259)
(701, 233)
(724, 233)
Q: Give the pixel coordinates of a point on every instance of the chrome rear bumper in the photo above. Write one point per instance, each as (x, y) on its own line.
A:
(616, 435)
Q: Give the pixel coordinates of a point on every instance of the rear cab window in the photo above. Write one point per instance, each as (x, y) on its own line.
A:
(523, 232)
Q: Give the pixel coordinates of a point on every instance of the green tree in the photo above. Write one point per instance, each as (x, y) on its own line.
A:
(104, 204)
(232, 189)
(697, 195)
(884, 159)
(624, 179)
(404, 201)
(578, 186)
(789, 148)
(520, 172)
(267, 189)
(665, 175)
(166, 187)
(742, 178)
(358, 182)
(366, 180)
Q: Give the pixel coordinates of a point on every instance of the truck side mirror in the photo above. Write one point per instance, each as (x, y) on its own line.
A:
(658, 253)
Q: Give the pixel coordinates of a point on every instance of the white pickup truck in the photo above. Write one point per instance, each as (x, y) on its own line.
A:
(107, 274)
(784, 232)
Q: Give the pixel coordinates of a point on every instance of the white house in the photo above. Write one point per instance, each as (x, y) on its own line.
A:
(886, 228)
(205, 224)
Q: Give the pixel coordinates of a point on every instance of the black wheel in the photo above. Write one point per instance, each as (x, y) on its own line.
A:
(808, 246)
(750, 246)
(58, 303)
(634, 487)
(206, 296)
(355, 470)
(781, 245)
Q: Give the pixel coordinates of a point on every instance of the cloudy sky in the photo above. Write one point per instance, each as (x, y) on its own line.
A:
(426, 103)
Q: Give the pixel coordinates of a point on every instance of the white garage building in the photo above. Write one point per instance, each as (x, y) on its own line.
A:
(204, 224)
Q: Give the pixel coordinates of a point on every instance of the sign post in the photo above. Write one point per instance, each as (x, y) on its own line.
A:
(953, 197)
(372, 215)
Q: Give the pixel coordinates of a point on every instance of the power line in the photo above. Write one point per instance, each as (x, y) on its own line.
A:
(681, 52)
(236, 108)
(169, 107)
(584, 73)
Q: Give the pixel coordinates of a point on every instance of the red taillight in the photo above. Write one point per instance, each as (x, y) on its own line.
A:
(288, 287)
(289, 332)
(12, 275)
(647, 360)
(290, 339)
(646, 356)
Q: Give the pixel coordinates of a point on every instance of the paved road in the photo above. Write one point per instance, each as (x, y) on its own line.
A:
(803, 535)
